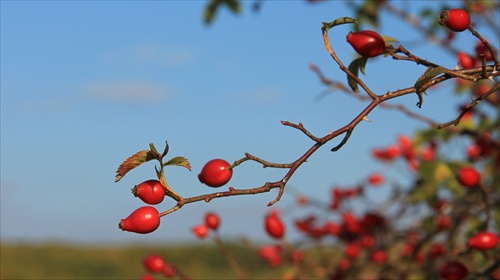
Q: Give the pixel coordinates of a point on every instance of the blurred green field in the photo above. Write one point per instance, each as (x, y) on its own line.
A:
(63, 261)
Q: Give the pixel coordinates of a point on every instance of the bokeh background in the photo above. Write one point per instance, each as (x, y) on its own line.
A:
(85, 84)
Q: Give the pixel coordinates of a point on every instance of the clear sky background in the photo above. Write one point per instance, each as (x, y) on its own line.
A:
(85, 84)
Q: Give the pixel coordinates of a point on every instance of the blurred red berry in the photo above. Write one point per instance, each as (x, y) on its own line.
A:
(352, 250)
(436, 250)
(147, 277)
(274, 226)
(170, 270)
(154, 263)
(444, 222)
(212, 220)
(469, 177)
(481, 49)
(453, 270)
(201, 231)
(466, 60)
(379, 257)
(376, 179)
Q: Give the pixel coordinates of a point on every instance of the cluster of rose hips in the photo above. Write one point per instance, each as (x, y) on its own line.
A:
(156, 264)
(211, 222)
(146, 219)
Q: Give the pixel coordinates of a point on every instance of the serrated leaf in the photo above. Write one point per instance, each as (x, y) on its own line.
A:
(179, 161)
(430, 73)
(132, 162)
(356, 65)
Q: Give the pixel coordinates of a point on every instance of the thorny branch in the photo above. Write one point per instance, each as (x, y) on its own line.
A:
(475, 74)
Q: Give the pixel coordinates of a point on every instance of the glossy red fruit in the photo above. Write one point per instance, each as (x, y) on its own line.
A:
(466, 60)
(453, 270)
(212, 220)
(143, 220)
(457, 20)
(484, 241)
(154, 263)
(215, 173)
(367, 43)
(469, 177)
(150, 191)
(201, 231)
(274, 226)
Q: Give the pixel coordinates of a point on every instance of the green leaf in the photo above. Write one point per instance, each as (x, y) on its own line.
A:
(179, 161)
(356, 65)
(132, 162)
(213, 6)
(430, 73)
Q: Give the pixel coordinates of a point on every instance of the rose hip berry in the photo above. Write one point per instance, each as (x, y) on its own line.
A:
(484, 241)
(466, 60)
(453, 270)
(469, 177)
(457, 20)
(274, 226)
(143, 220)
(154, 263)
(201, 231)
(215, 173)
(367, 43)
(150, 191)
(212, 220)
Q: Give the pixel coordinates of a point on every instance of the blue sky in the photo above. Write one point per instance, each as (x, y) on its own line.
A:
(85, 84)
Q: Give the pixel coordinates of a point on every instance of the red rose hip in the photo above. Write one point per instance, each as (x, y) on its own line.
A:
(367, 43)
(453, 270)
(143, 220)
(466, 60)
(201, 231)
(154, 263)
(484, 241)
(457, 20)
(212, 220)
(150, 191)
(215, 173)
(469, 177)
(274, 226)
